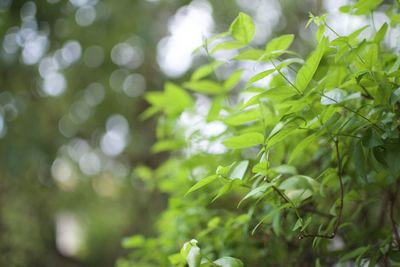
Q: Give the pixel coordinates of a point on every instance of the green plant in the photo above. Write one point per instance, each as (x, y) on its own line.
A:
(308, 173)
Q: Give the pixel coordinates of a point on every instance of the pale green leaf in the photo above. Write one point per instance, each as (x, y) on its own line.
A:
(239, 170)
(279, 44)
(228, 262)
(244, 140)
(242, 28)
(204, 86)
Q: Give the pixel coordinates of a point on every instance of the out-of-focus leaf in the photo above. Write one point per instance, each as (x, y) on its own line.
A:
(242, 28)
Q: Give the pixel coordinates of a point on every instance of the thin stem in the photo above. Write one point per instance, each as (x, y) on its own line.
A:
(353, 111)
(284, 76)
(340, 212)
(288, 200)
(340, 174)
(392, 200)
(347, 43)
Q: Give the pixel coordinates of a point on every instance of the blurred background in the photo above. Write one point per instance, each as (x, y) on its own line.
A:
(72, 77)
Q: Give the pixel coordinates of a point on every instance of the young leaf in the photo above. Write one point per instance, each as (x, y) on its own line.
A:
(205, 70)
(204, 86)
(202, 183)
(244, 140)
(242, 28)
(280, 44)
(307, 71)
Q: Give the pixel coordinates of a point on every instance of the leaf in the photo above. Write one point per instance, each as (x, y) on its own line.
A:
(359, 160)
(366, 6)
(202, 183)
(191, 252)
(242, 28)
(261, 167)
(205, 70)
(300, 147)
(307, 71)
(226, 188)
(256, 192)
(355, 253)
(332, 97)
(231, 45)
(239, 170)
(279, 44)
(250, 54)
(228, 262)
(371, 139)
(167, 145)
(299, 182)
(243, 117)
(259, 76)
(244, 140)
(380, 35)
(161, 101)
(133, 241)
(299, 224)
(233, 80)
(204, 86)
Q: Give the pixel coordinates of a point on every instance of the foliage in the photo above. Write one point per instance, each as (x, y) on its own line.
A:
(295, 165)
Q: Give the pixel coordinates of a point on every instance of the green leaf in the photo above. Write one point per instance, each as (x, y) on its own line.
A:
(231, 45)
(233, 80)
(256, 192)
(243, 117)
(279, 44)
(359, 160)
(250, 54)
(242, 28)
(300, 147)
(239, 170)
(191, 252)
(204, 86)
(205, 70)
(133, 241)
(167, 145)
(366, 6)
(202, 183)
(371, 139)
(380, 35)
(161, 101)
(226, 188)
(259, 76)
(355, 253)
(307, 71)
(299, 224)
(244, 140)
(228, 262)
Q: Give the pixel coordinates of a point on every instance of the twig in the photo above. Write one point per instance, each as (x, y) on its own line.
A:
(392, 201)
(284, 76)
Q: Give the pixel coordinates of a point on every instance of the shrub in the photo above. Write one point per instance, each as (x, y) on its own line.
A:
(294, 165)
